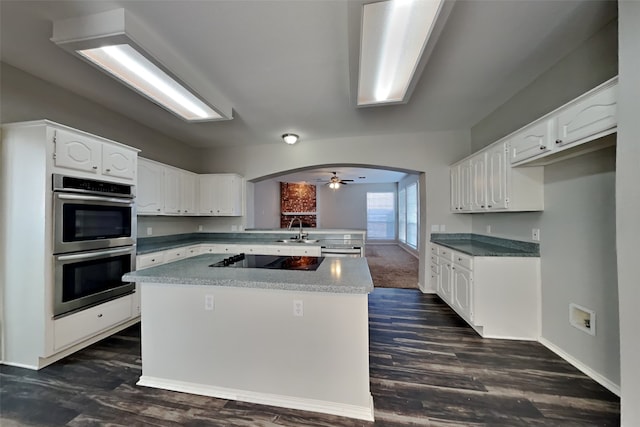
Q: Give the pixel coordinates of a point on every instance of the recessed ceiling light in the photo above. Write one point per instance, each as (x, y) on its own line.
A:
(394, 35)
(290, 138)
(106, 40)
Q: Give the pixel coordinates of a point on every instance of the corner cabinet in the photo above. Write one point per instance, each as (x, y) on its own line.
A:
(221, 194)
(497, 296)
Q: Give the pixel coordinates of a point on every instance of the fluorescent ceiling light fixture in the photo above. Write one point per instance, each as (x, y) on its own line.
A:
(290, 138)
(394, 35)
(111, 41)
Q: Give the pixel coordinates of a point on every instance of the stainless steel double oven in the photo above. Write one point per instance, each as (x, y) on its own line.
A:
(94, 227)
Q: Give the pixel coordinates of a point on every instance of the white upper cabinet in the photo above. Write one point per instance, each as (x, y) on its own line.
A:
(77, 151)
(189, 186)
(92, 155)
(573, 129)
(150, 194)
(172, 190)
(118, 162)
(497, 179)
(492, 185)
(533, 140)
(589, 117)
(221, 194)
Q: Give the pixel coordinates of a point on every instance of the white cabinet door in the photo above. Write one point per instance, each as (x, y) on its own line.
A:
(172, 190)
(478, 181)
(118, 162)
(533, 140)
(462, 292)
(77, 151)
(188, 193)
(588, 117)
(150, 197)
(221, 194)
(465, 186)
(454, 182)
(497, 177)
(446, 279)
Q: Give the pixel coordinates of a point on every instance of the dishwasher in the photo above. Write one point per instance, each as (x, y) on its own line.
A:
(353, 252)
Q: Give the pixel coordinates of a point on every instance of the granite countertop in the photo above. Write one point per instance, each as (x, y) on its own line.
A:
(335, 275)
(479, 245)
(147, 245)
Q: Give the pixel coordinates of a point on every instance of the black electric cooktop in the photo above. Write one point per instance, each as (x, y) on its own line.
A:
(306, 263)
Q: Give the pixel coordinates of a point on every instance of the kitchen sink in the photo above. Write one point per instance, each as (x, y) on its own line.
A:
(297, 241)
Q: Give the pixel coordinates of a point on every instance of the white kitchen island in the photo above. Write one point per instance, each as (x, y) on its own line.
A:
(295, 339)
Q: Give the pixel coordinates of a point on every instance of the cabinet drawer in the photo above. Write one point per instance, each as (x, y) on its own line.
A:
(435, 259)
(174, 254)
(434, 268)
(463, 260)
(87, 323)
(434, 250)
(445, 253)
(149, 260)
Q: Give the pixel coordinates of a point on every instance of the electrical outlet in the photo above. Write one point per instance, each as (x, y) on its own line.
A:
(298, 308)
(535, 234)
(347, 236)
(200, 228)
(435, 228)
(208, 302)
(443, 228)
(149, 231)
(488, 229)
(234, 228)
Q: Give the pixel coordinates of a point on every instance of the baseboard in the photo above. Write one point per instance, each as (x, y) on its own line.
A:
(325, 407)
(606, 383)
(20, 365)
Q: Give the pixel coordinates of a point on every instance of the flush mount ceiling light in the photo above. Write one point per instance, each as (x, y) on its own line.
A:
(290, 138)
(112, 41)
(393, 37)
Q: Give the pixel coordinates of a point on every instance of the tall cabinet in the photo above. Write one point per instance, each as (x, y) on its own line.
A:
(30, 153)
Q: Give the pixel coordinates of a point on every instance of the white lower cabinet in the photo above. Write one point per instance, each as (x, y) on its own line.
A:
(498, 296)
(77, 327)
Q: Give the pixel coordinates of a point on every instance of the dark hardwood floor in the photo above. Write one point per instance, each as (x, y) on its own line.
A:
(427, 369)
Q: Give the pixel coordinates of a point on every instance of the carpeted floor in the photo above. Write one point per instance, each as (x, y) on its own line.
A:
(392, 266)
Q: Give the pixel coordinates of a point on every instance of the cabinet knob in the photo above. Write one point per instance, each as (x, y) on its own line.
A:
(543, 147)
(482, 206)
(94, 167)
(489, 206)
(158, 209)
(108, 170)
(100, 315)
(558, 141)
(153, 260)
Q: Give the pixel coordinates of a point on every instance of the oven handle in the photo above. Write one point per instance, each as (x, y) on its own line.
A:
(94, 199)
(95, 254)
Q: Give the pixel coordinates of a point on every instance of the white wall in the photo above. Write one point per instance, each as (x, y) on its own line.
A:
(266, 204)
(627, 208)
(578, 252)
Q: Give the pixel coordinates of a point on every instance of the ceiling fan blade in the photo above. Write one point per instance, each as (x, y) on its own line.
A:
(346, 180)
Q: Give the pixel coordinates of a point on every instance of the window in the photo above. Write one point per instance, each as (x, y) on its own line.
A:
(408, 215)
(402, 215)
(381, 216)
(412, 215)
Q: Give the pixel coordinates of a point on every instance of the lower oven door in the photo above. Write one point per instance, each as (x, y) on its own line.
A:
(88, 278)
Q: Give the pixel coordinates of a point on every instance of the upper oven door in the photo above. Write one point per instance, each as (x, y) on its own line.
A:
(84, 222)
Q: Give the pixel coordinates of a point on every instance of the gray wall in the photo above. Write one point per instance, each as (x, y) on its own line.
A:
(26, 97)
(627, 208)
(347, 206)
(577, 226)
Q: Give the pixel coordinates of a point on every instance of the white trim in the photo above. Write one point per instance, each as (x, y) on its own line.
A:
(606, 383)
(20, 365)
(333, 408)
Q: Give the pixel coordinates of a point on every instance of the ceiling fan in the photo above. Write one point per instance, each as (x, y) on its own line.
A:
(335, 181)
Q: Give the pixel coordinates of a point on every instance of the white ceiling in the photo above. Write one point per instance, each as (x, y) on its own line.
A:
(359, 175)
(284, 64)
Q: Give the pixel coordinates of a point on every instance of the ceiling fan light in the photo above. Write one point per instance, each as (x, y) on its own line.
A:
(290, 138)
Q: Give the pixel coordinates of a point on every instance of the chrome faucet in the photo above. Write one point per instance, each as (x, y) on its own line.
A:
(301, 233)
